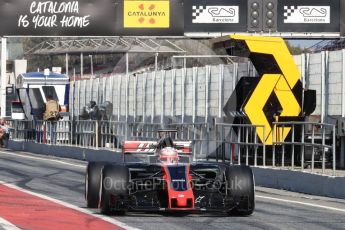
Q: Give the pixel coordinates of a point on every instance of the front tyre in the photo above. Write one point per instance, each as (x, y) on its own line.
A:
(92, 183)
(114, 189)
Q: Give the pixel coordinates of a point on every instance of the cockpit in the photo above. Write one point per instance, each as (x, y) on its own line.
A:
(168, 155)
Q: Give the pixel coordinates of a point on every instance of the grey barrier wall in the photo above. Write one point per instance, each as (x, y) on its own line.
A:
(72, 152)
(199, 93)
(186, 95)
(325, 72)
(308, 183)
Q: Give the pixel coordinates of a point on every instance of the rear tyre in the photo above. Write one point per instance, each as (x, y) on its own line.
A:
(114, 189)
(92, 183)
(241, 189)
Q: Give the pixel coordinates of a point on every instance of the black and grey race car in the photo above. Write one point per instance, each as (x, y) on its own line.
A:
(167, 181)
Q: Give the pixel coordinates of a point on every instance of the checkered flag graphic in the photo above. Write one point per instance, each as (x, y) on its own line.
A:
(288, 10)
(197, 10)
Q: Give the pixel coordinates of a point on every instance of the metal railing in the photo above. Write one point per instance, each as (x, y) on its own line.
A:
(112, 133)
(86, 133)
(242, 138)
(190, 131)
(44, 132)
(307, 145)
(197, 133)
(21, 130)
(307, 139)
(143, 131)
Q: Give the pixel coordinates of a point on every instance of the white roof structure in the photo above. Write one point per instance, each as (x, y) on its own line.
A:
(105, 46)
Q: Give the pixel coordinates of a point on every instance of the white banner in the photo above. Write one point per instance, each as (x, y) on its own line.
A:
(307, 14)
(215, 14)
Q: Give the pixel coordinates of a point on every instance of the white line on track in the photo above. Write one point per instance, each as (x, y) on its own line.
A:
(302, 203)
(86, 211)
(43, 159)
(4, 224)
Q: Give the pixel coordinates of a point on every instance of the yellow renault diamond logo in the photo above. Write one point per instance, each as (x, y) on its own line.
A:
(271, 83)
(280, 82)
(146, 14)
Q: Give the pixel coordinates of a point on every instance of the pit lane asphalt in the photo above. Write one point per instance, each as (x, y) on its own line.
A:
(63, 179)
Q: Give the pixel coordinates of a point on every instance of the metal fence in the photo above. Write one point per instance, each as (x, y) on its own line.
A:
(86, 134)
(308, 145)
(315, 144)
(242, 141)
(45, 132)
(22, 130)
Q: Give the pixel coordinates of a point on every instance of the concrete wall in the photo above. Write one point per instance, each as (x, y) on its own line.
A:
(85, 154)
(300, 182)
(334, 82)
(191, 94)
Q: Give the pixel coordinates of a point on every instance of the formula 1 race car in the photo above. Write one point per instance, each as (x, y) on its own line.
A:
(152, 179)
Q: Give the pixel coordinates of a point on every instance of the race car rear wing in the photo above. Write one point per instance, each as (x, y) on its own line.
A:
(138, 147)
(147, 147)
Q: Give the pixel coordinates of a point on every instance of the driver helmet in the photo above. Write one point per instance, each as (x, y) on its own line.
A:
(168, 155)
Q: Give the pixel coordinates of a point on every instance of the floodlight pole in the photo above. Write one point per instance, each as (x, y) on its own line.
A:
(66, 59)
(126, 98)
(81, 65)
(127, 64)
(90, 55)
(3, 76)
(156, 62)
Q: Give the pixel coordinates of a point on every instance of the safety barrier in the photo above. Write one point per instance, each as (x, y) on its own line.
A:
(86, 133)
(308, 144)
(243, 143)
(143, 131)
(314, 141)
(111, 133)
(21, 130)
(46, 132)
(198, 133)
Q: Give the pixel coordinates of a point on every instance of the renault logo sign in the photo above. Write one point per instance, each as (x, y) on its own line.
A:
(275, 94)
